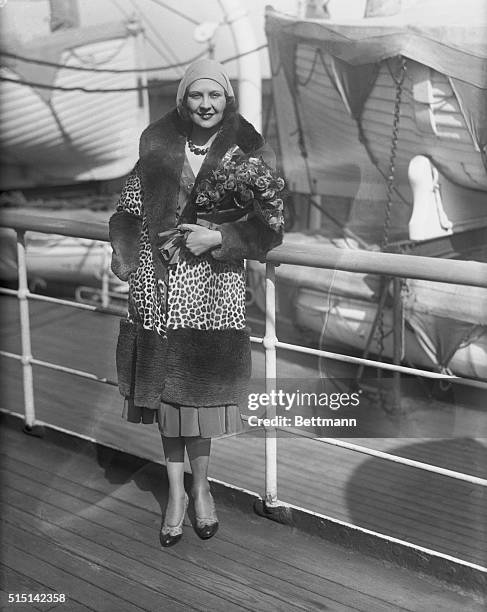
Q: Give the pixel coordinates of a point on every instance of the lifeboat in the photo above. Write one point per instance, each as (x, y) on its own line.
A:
(386, 113)
(72, 96)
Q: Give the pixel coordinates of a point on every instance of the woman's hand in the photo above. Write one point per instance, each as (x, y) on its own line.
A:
(200, 239)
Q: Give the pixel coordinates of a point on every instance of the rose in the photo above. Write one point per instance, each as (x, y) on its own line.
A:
(230, 184)
(252, 169)
(214, 195)
(246, 194)
(252, 182)
(262, 183)
(201, 198)
(270, 213)
(229, 166)
(204, 186)
(279, 183)
(277, 204)
(242, 175)
(203, 202)
(268, 194)
(220, 176)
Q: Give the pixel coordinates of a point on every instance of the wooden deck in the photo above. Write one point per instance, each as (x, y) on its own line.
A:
(427, 510)
(81, 519)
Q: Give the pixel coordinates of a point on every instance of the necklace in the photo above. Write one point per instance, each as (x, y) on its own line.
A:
(197, 150)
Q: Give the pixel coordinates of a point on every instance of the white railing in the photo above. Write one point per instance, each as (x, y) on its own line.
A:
(388, 264)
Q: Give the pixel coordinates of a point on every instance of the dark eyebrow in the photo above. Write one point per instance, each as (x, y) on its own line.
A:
(212, 91)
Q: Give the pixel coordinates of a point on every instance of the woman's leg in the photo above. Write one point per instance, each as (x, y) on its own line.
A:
(199, 458)
(174, 453)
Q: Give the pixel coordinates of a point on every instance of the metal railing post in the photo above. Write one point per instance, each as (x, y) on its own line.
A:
(397, 342)
(270, 340)
(26, 360)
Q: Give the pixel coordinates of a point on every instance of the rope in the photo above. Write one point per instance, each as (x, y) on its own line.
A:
(365, 142)
(267, 118)
(168, 53)
(236, 57)
(362, 137)
(121, 89)
(39, 62)
(105, 60)
(157, 48)
(176, 12)
(311, 182)
(121, 9)
(321, 369)
(317, 55)
(78, 88)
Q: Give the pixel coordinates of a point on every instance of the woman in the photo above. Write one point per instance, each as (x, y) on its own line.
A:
(183, 354)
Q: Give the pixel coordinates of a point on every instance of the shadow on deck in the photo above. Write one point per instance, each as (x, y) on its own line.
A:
(82, 519)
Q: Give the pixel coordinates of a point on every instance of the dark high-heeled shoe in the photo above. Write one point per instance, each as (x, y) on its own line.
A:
(169, 534)
(207, 526)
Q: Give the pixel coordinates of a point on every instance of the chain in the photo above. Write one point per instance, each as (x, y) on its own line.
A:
(390, 187)
(391, 174)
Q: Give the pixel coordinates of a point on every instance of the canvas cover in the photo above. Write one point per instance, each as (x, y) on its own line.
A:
(445, 35)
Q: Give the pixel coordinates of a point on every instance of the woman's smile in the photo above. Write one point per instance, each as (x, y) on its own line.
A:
(206, 103)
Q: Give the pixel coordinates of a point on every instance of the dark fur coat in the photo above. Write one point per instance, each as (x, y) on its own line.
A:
(187, 367)
(159, 167)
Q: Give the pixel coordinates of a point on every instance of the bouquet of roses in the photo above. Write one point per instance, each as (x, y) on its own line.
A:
(250, 182)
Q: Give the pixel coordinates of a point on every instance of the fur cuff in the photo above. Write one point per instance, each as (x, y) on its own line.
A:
(246, 240)
(125, 230)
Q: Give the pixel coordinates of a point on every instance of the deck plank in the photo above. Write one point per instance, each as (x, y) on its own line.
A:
(426, 510)
(111, 552)
(86, 495)
(406, 504)
(283, 572)
(451, 522)
(19, 583)
(291, 589)
(105, 528)
(383, 474)
(89, 521)
(103, 581)
(74, 586)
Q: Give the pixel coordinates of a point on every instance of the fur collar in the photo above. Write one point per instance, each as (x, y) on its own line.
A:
(161, 158)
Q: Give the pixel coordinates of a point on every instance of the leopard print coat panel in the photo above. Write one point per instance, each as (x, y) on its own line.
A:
(203, 293)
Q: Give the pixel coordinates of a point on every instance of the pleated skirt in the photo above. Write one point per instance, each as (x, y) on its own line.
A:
(187, 421)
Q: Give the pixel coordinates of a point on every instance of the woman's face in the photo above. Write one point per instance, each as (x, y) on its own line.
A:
(206, 102)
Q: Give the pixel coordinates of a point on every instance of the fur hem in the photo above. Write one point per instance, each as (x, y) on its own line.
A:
(189, 368)
(141, 364)
(207, 368)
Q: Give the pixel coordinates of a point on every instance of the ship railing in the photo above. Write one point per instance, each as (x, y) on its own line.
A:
(392, 265)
